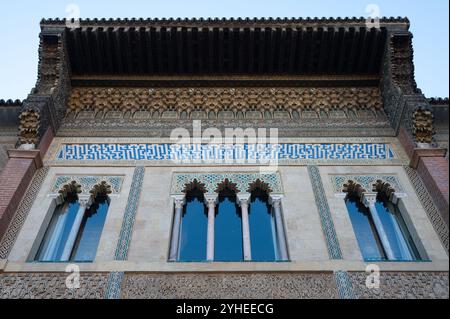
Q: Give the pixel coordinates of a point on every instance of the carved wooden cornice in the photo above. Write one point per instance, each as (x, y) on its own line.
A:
(29, 127)
(402, 66)
(225, 22)
(423, 126)
(193, 102)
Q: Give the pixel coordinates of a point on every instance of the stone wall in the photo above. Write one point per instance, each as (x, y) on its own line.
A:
(403, 285)
(234, 286)
(304, 285)
(51, 286)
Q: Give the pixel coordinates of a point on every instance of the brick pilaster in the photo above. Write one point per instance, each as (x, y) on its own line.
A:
(432, 167)
(14, 180)
(434, 173)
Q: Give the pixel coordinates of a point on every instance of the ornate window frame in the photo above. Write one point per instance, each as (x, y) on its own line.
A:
(385, 183)
(87, 188)
(242, 181)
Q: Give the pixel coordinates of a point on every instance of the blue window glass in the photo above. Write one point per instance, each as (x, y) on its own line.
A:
(262, 228)
(55, 238)
(400, 240)
(228, 229)
(365, 231)
(194, 228)
(90, 231)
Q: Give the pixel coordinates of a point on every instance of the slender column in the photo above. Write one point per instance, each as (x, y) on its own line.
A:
(84, 204)
(211, 202)
(174, 244)
(369, 200)
(276, 204)
(243, 202)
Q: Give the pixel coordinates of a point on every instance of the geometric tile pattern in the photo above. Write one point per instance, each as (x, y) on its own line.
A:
(130, 214)
(22, 211)
(211, 180)
(439, 224)
(87, 183)
(334, 249)
(366, 181)
(223, 152)
(344, 284)
(113, 289)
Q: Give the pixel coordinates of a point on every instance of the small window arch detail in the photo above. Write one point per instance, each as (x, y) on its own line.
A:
(378, 223)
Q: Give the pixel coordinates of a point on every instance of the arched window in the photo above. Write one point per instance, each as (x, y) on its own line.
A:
(379, 226)
(76, 225)
(193, 228)
(90, 230)
(400, 240)
(365, 230)
(262, 227)
(228, 225)
(54, 243)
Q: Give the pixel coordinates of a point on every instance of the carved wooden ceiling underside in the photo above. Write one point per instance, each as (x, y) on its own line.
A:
(168, 49)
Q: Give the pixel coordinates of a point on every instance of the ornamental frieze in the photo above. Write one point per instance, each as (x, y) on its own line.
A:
(254, 103)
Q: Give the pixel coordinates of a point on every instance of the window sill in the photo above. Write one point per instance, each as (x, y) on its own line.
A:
(228, 267)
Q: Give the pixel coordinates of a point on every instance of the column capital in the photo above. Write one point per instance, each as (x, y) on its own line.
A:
(395, 197)
(179, 200)
(85, 201)
(275, 200)
(369, 199)
(243, 199)
(211, 201)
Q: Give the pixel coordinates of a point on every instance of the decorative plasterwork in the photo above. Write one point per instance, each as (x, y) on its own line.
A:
(88, 185)
(341, 183)
(29, 127)
(224, 103)
(423, 128)
(213, 180)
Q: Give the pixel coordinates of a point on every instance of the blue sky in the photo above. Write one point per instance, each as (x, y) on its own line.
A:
(19, 29)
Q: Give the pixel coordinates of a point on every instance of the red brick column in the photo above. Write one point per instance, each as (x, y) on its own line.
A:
(432, 168)
(434, 173)
(14, 180)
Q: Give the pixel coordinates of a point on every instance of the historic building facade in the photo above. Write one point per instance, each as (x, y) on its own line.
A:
(264, 158)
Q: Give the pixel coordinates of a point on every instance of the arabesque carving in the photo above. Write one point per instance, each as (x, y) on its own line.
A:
(254, 102)
(29, 127)
(423, 128)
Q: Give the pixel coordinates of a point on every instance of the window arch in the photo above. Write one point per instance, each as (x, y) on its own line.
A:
(74, 231)
(379, 226)
(262, 226)
(228, 224)
(91, 228)
(194, 224)
(54, 243)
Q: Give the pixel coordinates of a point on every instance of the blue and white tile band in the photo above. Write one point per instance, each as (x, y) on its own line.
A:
(204, 152)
